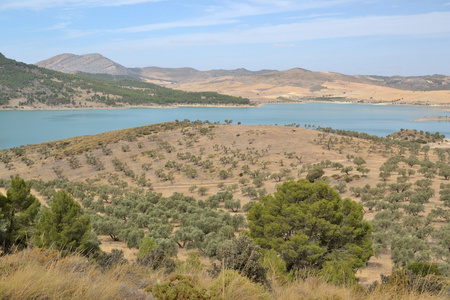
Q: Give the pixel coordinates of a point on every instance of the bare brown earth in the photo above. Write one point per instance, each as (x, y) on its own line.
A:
(265, 91)
(268, 149)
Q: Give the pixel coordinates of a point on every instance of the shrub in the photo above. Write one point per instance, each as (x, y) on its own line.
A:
(423, 268)
(314, 174)
(109, 260)
(243, 255)
(177, 287)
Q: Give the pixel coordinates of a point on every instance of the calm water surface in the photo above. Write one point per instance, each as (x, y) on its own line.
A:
(31, 127)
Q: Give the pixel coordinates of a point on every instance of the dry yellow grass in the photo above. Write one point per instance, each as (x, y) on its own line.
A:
(38, 274)
(269, 91)
(35, 274)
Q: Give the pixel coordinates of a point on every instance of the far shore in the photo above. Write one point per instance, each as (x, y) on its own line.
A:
(257, 103)
(31, 108)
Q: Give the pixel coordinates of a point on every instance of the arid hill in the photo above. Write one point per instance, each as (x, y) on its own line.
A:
(90, 63)
(237, 163)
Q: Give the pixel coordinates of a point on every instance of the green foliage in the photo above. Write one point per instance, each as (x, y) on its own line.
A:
(18, 211)
(338, 272)
(110, 260)
(145, 247)
(157, 259)
(444, 171)
(309, 224)
(243, 255)
(423, 268)
(177, 287)
(248, 206)
(347, 170)
(107, 225)
(359, 161)
(274, 264)
(65, 227)
(314, 174)
(234, 206)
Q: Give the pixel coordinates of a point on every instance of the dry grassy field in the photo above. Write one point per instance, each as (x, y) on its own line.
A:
(265, 91)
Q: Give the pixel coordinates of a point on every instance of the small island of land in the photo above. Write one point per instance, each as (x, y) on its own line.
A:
(435, 118)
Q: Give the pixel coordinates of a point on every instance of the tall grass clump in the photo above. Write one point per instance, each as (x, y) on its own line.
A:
(38, 274)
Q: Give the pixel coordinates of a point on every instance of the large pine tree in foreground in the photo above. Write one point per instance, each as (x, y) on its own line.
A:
(311, 226)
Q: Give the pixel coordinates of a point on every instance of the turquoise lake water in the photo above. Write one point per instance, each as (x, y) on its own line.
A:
(31, 127)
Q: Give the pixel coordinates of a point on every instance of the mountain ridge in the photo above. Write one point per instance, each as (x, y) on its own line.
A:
(94, 63)
(98, 64)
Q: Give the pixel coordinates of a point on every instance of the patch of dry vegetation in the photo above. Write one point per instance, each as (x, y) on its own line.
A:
(38, 274)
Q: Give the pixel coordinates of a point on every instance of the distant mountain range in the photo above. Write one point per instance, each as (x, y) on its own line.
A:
(98, 64)
(271, 86)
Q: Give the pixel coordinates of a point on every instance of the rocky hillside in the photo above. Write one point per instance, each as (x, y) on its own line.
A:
(98, 64)
(89, 63)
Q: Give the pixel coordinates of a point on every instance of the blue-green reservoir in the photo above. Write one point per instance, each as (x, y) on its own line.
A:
(31, 127)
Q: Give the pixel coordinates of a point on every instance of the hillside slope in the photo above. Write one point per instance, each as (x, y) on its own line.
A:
(91, 63)
(243, 163)
(24, 85)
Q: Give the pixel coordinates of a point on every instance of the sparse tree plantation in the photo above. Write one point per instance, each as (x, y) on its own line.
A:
(171, 201)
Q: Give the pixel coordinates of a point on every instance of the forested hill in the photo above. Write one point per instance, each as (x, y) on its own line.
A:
(30, 85)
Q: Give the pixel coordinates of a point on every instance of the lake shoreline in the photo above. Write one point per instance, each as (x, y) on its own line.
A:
(438, 106)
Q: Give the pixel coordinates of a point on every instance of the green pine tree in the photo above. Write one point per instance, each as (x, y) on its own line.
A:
(309, 225)
(18, 211)
(65, 227)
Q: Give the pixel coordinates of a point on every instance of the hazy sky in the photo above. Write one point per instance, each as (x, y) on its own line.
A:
(386, 37)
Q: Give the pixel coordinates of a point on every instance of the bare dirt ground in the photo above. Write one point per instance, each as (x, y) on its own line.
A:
(241, 150)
